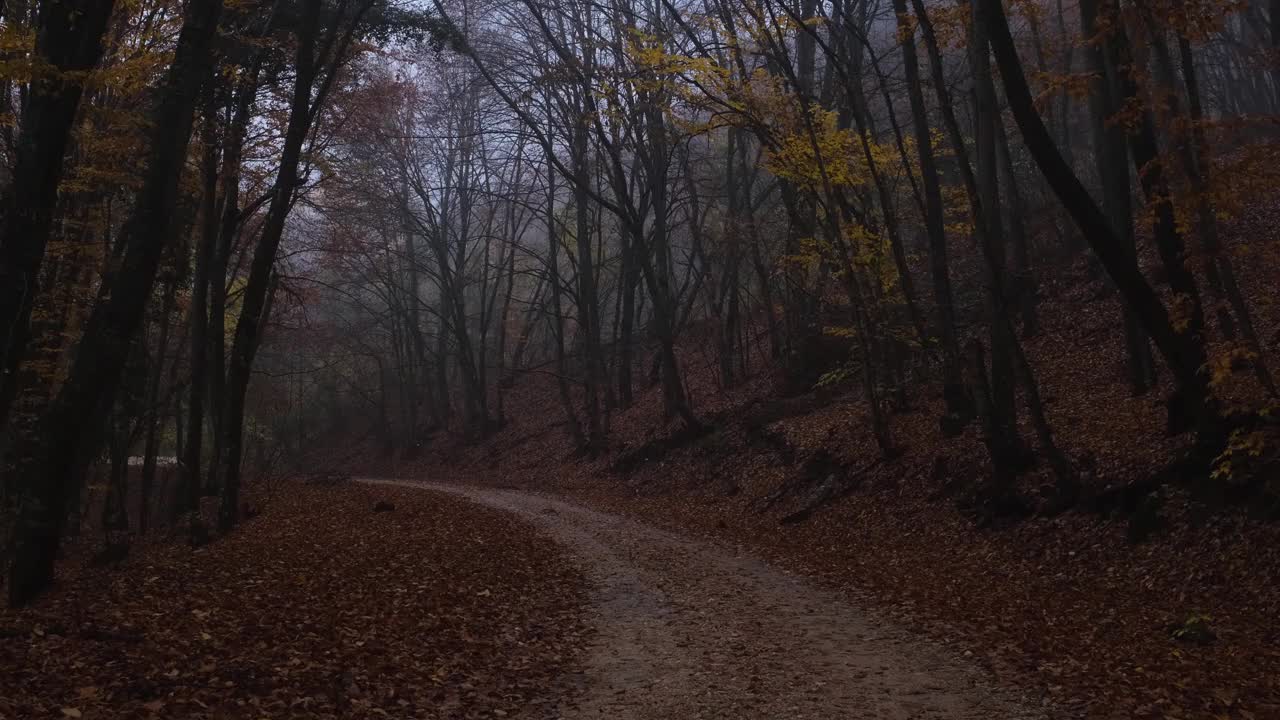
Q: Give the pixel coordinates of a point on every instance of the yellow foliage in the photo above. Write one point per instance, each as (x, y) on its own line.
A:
(1222, 364)
(1246, 450)
(801, 157)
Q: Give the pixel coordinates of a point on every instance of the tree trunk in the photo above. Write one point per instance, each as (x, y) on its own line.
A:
(115, 511)
(959, 406)
(557, 317)
(198, 321)
(72, 425)
(69, 38)
(216, 369)
(656, 266)
(1199, 168)
(1149, 165)
(588, 310)
(630, 278)
(153, 412)
(1024, 290)
(302, 113)
(1183, 352)
(1111, 158)
(1003, 413)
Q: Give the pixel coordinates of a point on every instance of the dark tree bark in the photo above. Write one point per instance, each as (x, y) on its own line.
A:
(154, 413)
(413, 342)
(629, 279)
(588, 301)
(954, 393)
(1274, 13)
(115, 511)
(557, 316)
(219, 262)
(504, 317)
(1169, 241)
(528, 328)
(254, 299)
(1024, 290)
(1111, 159)
(655, 264)
(313, 78)
(1221, 270)
(69, 38)
(198, 321)
(1183, 352)
(1003, 421)
(72, 424)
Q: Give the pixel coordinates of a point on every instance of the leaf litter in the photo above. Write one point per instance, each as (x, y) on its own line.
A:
(1065, 604)
(319, 608)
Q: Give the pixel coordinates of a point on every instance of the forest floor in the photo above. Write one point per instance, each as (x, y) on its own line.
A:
(691, 629)
(319, 608)
(1183, 625)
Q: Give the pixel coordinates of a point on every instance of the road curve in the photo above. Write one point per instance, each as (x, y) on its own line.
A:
(687, 630)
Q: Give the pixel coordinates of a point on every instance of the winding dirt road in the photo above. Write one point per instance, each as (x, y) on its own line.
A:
(687, 630)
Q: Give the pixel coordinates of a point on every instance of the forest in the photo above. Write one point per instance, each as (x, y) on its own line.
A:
(933, 298)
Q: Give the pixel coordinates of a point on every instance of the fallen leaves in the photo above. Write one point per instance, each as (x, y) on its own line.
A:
(1062, 606)
(320, 608)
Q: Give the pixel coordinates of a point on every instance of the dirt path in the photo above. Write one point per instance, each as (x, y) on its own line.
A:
(689, 630)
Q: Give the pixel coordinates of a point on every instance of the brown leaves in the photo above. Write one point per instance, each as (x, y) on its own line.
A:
(320, 608)
(1062, 606)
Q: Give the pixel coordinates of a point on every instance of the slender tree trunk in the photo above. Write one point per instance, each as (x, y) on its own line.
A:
(154, 414)
(1144, 146)
(261, 281)
(588, 304)
(71, 426)
(413, 320)
(233, 424)
(115, 512)
(1183, 352)
(167, 492)
(557, 318)
(198, 323)
(1199, 168)
(503, 323)
(1024, 289)
(1274, 16)
(254, 299)
(1111, 158)
(69, 38)
(220, 260)
(959, 406)
(528, 327)
(657, 267)
(1003, 423)
(630, 278)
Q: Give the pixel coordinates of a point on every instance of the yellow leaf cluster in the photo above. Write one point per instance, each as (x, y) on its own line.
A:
(801, 156)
